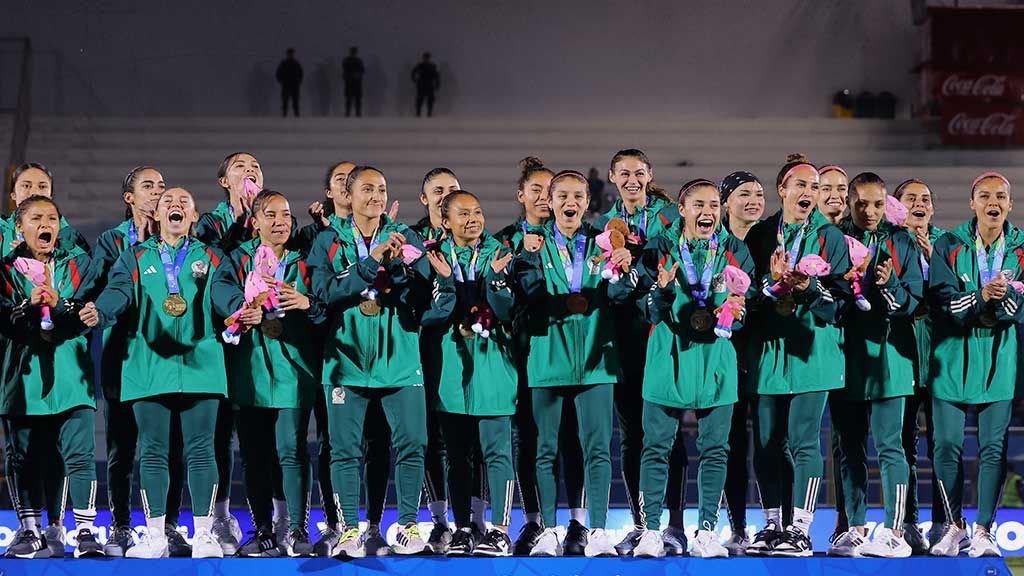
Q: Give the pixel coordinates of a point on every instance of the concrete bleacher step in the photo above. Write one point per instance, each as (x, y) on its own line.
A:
(91, 155)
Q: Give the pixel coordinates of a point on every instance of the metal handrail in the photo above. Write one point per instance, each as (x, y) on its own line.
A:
(22, 110)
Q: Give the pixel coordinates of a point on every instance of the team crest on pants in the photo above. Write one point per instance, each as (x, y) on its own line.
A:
(338, 395)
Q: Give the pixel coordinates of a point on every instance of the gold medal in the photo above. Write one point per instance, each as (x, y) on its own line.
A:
(466, 331)
(370, 307)
(785, 306)
(577, 304)
(175, 305)
(987, 320)
(272, 328)
(702, 320)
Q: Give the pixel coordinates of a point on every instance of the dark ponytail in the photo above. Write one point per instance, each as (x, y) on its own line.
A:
(792, 161)
(128, 185)
(528, 167)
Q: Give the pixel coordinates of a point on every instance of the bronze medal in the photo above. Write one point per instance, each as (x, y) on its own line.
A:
(175, 305)
(370, 307)
(272, 328)
(702, 320)
(577, 304)
(987, 320)
(785, 306)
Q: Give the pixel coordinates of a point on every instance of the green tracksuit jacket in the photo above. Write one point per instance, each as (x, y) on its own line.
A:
(972, 363)
(267, 372)
(880, 345)
(801, 352)
(166, 355)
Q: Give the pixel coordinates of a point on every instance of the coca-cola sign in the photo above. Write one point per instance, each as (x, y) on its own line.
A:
(983, 86)
(970, 123)
(998, 124)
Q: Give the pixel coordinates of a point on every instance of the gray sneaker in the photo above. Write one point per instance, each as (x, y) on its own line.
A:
(26, 545)
(674, 541)
(297, 544)
(954, 540)
(56, 540)
(324, 547)
(228, 534)
(737, 544)
(121, 538)
(374, 543)
(849, 544)
(912, 534)
(440, 538)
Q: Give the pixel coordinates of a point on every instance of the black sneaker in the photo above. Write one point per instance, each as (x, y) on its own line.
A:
(764, 541)
(262, 544)
(440, 538)
(576, 538)
(495, 543)
(463, 543)
(119, 541)
(297, 544)
(625, 547)
(27, 544)
(324, 547)
(793, 544)
(177, 547)
(374, 543)
(87, 546)
(528, 535)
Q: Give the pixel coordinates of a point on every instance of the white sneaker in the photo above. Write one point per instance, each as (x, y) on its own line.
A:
(954, 540)
(706, 545)
(150, 546)
(651, 545)
(886, 544)
(983, 544)
(598, 544)
(204, 545)
(850, 544)
(227, 533)
(547, 544)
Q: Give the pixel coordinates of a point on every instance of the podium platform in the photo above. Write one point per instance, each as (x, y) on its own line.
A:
(436, 566)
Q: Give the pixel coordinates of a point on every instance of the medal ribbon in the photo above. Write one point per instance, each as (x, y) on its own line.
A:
(988, 274)
(699, 287)
(361, 248)
(171, 270)
(133, 234)
(634, 226)
(573, 269)
(780, 238)
(457, 268)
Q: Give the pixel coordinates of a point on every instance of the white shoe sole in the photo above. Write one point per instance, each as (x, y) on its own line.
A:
(660, 554)
(165, 554)
(93, 554)
(803, 554)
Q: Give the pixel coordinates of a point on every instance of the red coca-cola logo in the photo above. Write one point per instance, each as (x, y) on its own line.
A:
(995, 124)
(984, 86)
